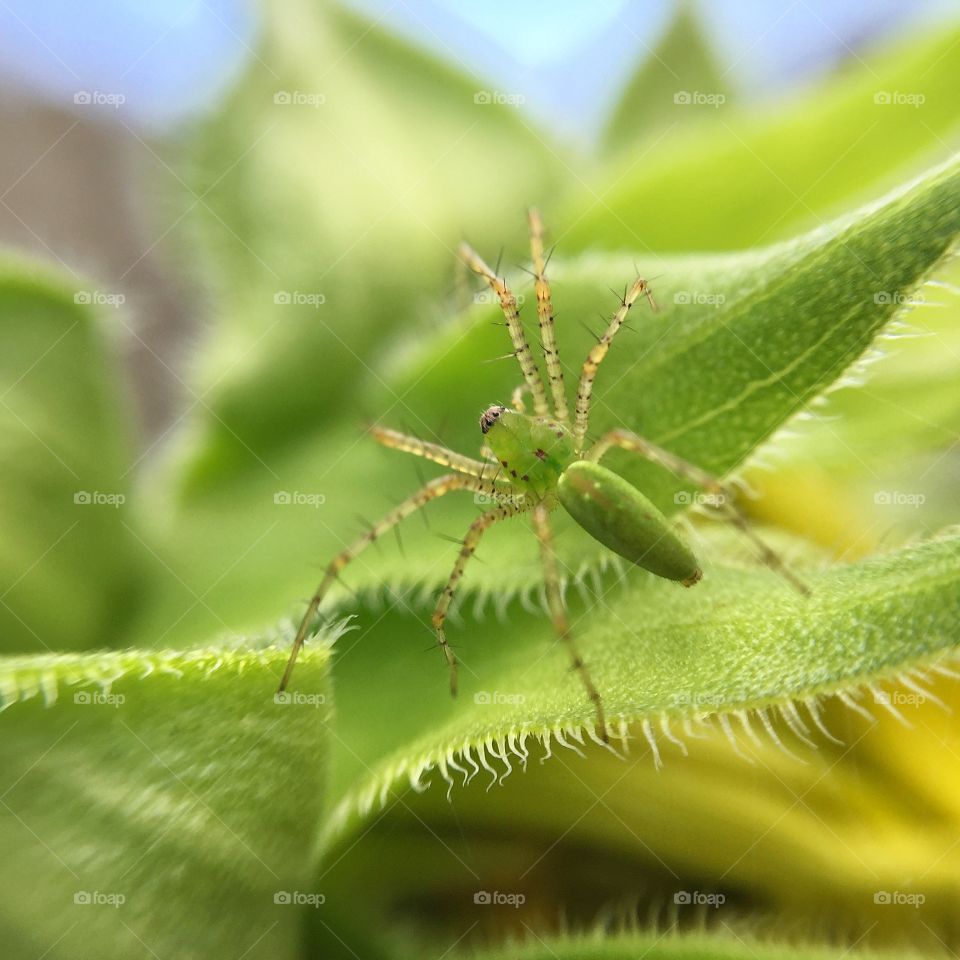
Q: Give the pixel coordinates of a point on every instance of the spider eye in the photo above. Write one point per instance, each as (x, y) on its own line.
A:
(489, 417)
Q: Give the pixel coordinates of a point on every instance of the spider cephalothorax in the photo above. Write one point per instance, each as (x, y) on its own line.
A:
(531, 452)
(490, 416)
(536, 463)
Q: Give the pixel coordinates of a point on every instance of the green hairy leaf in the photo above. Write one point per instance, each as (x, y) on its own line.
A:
(153, 800)
(663, 656)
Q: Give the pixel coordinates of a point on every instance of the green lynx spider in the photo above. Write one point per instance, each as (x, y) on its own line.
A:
(542, 462)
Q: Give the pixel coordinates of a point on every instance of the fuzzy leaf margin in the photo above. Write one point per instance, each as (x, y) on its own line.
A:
(738, 646)
(154, 802)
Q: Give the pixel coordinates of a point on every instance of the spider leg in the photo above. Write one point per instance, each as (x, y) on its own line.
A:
(558, 613)
(521, 349)
(548, 336)
(516, 398)
(596, 355)
(688, 471)
(430, 491)
(429, 451)
(470, 541)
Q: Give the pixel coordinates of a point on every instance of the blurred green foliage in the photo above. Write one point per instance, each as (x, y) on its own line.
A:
(69, 565)
(325, 202)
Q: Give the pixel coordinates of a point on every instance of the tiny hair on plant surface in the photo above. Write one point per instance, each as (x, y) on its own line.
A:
(534, 463)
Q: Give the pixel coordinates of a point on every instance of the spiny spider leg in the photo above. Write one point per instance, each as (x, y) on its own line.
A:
(688, 471)
(516, 398)
(596, 355)
(430, 451)
(470, 541)
(548, 336)
(430, 491)
(558, 613)
(508, 304)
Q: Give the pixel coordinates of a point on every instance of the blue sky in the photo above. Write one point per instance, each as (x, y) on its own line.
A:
(173, 58)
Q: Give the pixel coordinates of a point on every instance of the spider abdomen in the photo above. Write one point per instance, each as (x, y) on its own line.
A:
(614, 512)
